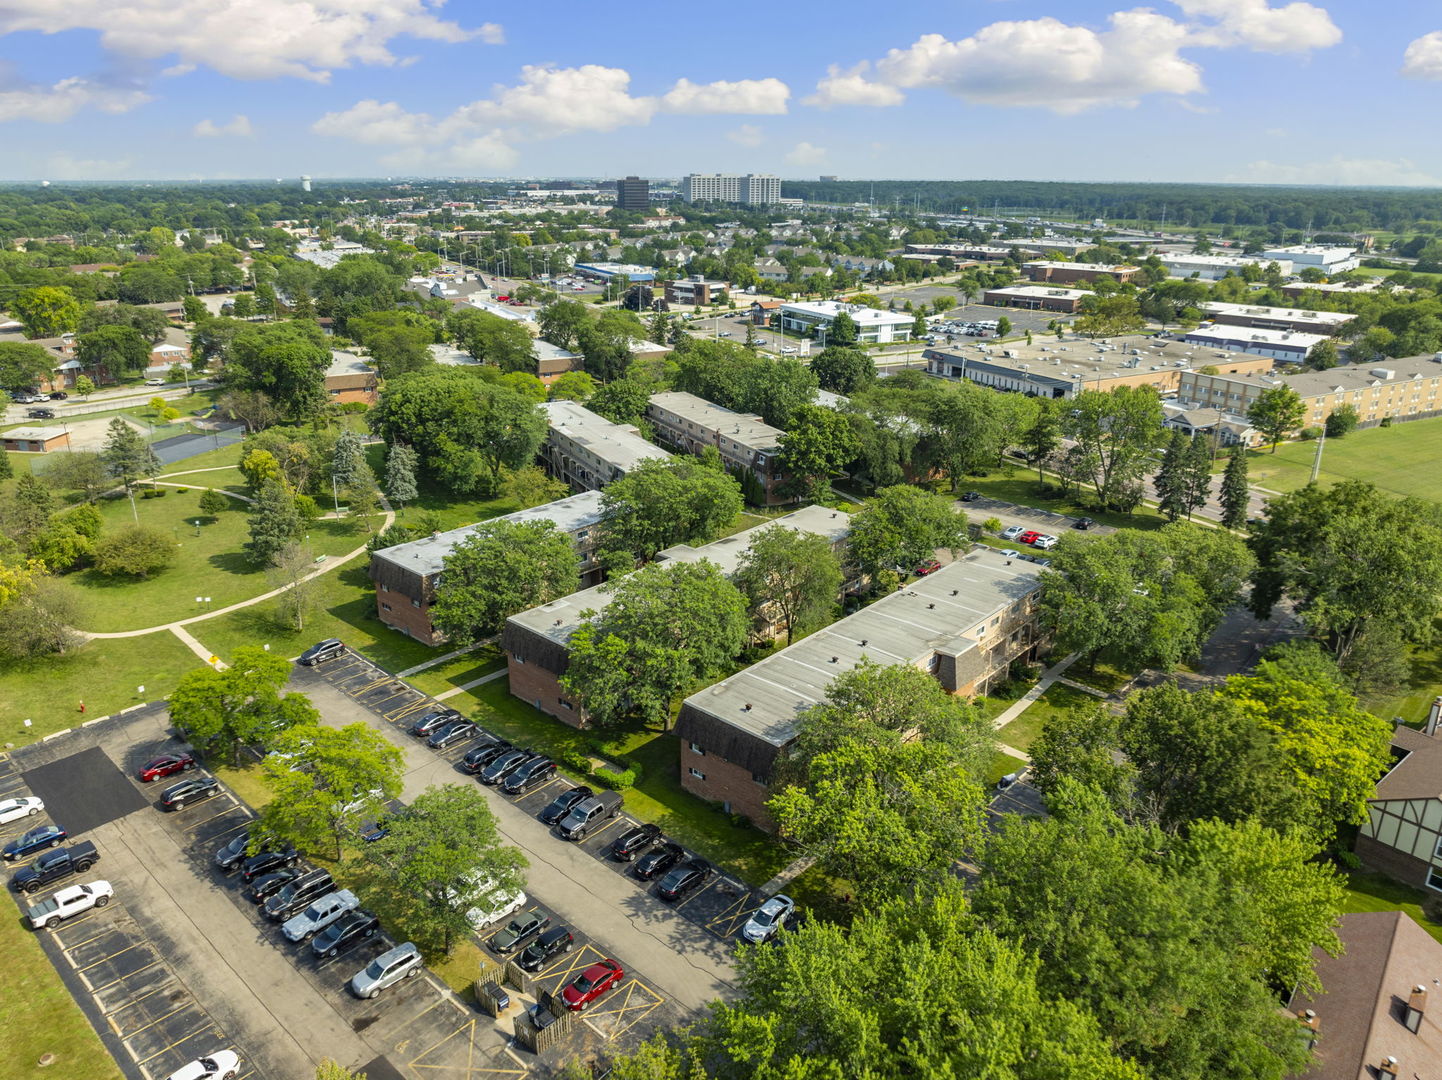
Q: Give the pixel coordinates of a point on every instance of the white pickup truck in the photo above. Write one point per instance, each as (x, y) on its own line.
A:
(71, 900)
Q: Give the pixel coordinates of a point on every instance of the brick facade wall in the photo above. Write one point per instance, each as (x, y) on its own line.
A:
(1396, 864)
(536, 686)
(396, 610)
(726, 783)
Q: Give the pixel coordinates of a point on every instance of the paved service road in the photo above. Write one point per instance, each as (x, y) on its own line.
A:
(685, 962)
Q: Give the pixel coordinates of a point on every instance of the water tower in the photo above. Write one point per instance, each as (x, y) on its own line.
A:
(305, 183)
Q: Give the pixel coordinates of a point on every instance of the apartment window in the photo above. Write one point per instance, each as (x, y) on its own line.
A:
(696, 749)
(565, 704)
(696, 775)
(1434, 878)
(758, 778)
(1437, 849)
(385, 606)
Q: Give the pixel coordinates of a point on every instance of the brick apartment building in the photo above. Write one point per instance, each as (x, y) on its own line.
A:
(536, 642)
(747, 444)
(405, 575)
(588, 451)
(349, 378)
(552, 361)
(1037, 298)
(1064, 273)
(964, 624)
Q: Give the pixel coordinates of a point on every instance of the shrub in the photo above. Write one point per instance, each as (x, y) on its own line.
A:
(1386, 421)
(1432, 908)
(213, 502)
(354, 407)
(153, 493)
(136, 551)
(1311, 433)
(621, 781)
(577, 762)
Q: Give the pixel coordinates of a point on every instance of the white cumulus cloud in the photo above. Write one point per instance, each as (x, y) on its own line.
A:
(1423, 58)
(1254, 24)
(755, 97)
(747, 135)
(237, 128)
(852, 87)
(804, 153)
(1342, 171)
(62, 100)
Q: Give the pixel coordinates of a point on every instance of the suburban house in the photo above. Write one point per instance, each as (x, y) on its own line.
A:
(537, 642)
(748, 445)
(406, 575)
(964, 624)
(349, 378)
(1376, 1015)
(1402, 835)
(770, 269)
(588, 451)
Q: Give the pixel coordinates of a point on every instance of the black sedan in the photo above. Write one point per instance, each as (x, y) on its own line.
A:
(450, 733)
(37, 839)
(481, 755)
(517, 933)
(430, 722)
(635, 841)
(658, 860)
(561, 805)
(685, 879)
(345, 932)
(504, 765)
(266, 862)
(177, 795)
(532, 774)
(271, 883)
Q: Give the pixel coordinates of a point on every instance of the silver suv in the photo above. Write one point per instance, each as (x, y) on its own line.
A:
(387, 969)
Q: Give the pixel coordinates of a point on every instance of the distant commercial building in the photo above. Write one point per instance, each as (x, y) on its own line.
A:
(979, 252)
(537, 642)
(36, 440)
(1065, 273)
(1037, 298)
(872, 324)
(349, 378)
(696, 289)
(964, 625)
(1046, 244)
(1329, 260)
(1216, 267)
(605, 271)
(1275, 318)
(1289, 345)
(406, 575)
(1296, 289)
(747, 444)
(588, 451)
(633, 193)
(752, 189)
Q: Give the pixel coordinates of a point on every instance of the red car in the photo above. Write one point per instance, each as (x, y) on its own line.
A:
(591, 984)
(928, 566)
(164, 765)
(1029, 537)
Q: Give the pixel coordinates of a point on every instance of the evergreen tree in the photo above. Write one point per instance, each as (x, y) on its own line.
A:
(401, 475)
(1196, 473)
(32, 508)
(274, 523)
(127, 455)
(1169, 480)
(660, 328)
(348, 463)
(6, 470)
(1235, 495)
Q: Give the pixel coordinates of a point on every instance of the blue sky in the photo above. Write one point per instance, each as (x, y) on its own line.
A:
(1337, 91)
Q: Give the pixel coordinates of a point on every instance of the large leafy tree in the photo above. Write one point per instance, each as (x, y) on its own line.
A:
(667, 627)
(791, 580)
(221, 711)
(622, 401)
(286, 361)
(561, 323)
(1277, 411)
(499, 569)
(134, 551)
(843, 370)
(1114, 434)
(902, 526)
(818, 443)
(503, 342)
(121, 350)
(274, 524)
(46, 311)
(324, 781)
(465, 431)
(23, 364)
(667, 501)
(605, 344)
(1318, 548)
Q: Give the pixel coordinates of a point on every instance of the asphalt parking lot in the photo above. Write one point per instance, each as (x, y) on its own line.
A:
(1022, 320)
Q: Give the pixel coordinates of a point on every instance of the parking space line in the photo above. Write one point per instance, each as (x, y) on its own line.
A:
(113, 982)
(604, 826)
(71, 924)
(136, 1001)
(131, 1034)
(205, 1023)
(413, 707)
(112, 956)
(579, 962)
(206, 821)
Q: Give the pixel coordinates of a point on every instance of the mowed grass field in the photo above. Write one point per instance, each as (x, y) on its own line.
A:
(1402, 459)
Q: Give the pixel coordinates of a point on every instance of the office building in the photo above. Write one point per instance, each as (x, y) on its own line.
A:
(1067, 273)
(537, 642)
(607, 271)
(749, 447)
(1216, 267)
(979, 252)
(1289, 345)
(753, 189)
(588, 451)
(405, 575)
(633, 193)
(1275, 318)
(963, 624)
(696, 289)
(872, 324)
(1329, 260)
(1037, 298)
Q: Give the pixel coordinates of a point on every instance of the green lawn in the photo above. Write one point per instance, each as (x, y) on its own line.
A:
(1400, 459)
(1415, 698)
(1018, 485)
(457, 672)
(209, 564)
(225, 455)
(1058, 699)
(451, 511)
(102, 673)
(1377, 892)
(43, 1017)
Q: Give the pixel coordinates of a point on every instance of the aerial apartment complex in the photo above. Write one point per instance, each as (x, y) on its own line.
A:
(747, 444)
(753, 189)
(588, 451)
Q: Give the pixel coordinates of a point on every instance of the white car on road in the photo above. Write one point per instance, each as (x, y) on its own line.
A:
(788, 350)
(15, 809)
(220, 1065)
(69, 901)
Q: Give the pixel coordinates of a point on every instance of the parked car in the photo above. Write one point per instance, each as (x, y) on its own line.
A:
(266, 862)
(504, 765)
(220, 1065)
(387, 969)
(54, 865)
(554, 942)
(293, 897)
(58, 395)
(319, 914)
(1083, 523)
(15, 809)
(267, 885)
(481, 755)
(658, 860)
(768, 918)
(591, 984)
(69, 901)
(1030, 536)
(451, 732)
(230, 854)
(685, 879)
(40, 414)
(532, 774)
(378, 829)
(1011, 532)
(926, 566)
(517, 933)
(788, 350)
(321, 651)
(154, 382)
(187, 791)
(631, 843)
(430, 722)
(1045, 542)
(563, 804)
(353, 927)
(164, 765)
(1010, 553)
(589, 813)
(36, 839)
(970, 496)
(25, 397)
(495, 906)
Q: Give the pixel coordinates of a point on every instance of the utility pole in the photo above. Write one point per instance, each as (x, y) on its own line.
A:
(1317, 457)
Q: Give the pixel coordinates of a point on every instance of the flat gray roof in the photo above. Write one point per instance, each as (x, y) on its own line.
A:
(1346, 377)
(614, 444)
(748, 431)
(939, 613)
(346, 363)
(427, 555)
(544, 350)
(1334, 318)
(559, 619)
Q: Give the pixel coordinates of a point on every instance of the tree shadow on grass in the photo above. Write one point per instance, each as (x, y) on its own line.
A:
(233, 562)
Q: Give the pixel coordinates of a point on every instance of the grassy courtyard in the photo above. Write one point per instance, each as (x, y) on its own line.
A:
(1377, 892)
(1400, 459)
(1057, 701)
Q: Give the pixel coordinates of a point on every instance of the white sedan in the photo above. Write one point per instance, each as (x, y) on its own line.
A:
(15, 809)
(221, 1065)
(788, 350)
